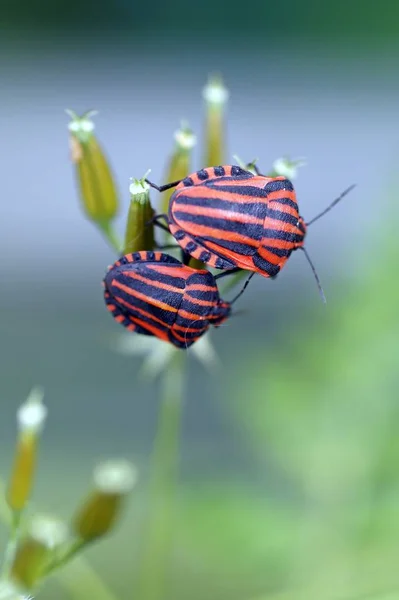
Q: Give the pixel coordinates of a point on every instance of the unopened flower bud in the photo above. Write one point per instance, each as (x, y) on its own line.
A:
(113, 481)
(286, 167)
(180, 161)
(30, 417)
(215, 95)
(34, 552)
(94, 177)
(139, 227)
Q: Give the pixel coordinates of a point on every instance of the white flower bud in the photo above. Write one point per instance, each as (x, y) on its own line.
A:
(115, 477)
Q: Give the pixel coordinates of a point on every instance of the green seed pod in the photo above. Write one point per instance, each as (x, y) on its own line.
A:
(139, 228)
(112, 482)
(215, 95)
(35, 552)
(94, 176)
(180, 161)
(30, 417)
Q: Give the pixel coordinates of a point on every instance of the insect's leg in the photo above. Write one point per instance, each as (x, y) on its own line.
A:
(163, 188)
(243, 288)
(228, 272)
(155, 220)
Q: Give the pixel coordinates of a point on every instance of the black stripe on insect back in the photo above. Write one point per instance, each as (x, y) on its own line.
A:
(219, 171)
(279, 186)
(243, 249)
(237, 190)
(248, 229)
(239, 172)
(202, 174)
(282, 216)
(171, 298)
(286, 202)
(285, 236)
(265, 265)
(280, 252)
(153, 275)
(255, 209)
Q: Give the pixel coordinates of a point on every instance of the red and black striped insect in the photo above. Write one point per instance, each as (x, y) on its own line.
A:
(155, 294)
(231, 219)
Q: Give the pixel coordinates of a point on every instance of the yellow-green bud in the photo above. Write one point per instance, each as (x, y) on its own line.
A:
(113, 481)
(215, 95)
(180, 161)
(30, 418)
(34, 552)
(94, 176)
(139, 227)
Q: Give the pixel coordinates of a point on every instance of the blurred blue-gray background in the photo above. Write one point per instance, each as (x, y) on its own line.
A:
(289, 460)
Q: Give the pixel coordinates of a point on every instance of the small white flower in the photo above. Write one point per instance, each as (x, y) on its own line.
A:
(185, 138)
(215, 92)
(139, 186)
(287, 167)
(115, 477)
(32, 414)
(48, 531)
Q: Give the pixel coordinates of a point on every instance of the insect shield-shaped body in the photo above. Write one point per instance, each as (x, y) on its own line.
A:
(229, 218)
(155, 294)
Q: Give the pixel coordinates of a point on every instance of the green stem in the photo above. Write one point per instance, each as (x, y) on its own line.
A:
(75, 547)
(159, 531)
(11, 547)
(111, 236)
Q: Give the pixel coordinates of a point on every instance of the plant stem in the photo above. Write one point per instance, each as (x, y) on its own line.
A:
(158, 534)
(12, 542)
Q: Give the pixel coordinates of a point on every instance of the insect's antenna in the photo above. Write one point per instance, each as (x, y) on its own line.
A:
(326, 210)
(315, 276)
(243, 288)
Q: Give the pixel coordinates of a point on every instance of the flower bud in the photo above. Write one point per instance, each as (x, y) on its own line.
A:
(94, 177)
(113, 480)
(30, 417)
(35, 552)
(180, 161)
(139, 228)
(286, 167)
(215, 95)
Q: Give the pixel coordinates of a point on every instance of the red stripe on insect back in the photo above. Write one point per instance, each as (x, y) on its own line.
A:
(204, 191)
(137, 309)
(136, 294)
(184, 338)
(153, 283)
(237, 260)
(189, 315)
(159, 333)
(278, 225)
(289, 210)
(199, 287)
(271, 257)
(203, 232)
(254, 181)
(165, 270)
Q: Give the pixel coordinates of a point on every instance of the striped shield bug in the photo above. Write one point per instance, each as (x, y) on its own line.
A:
(155, 294)
(229, 218)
